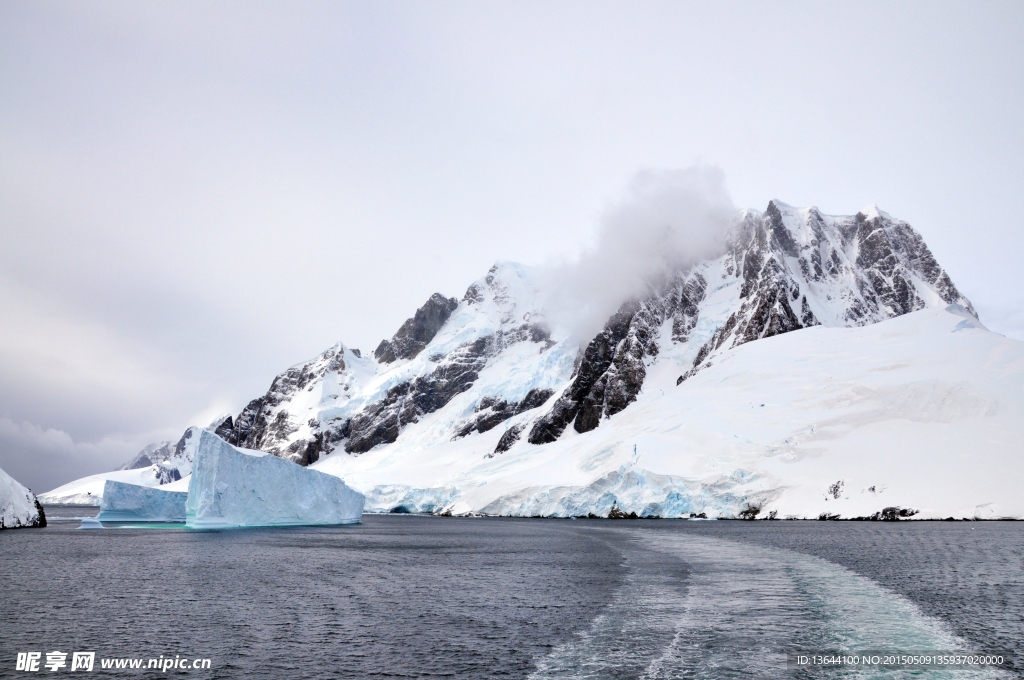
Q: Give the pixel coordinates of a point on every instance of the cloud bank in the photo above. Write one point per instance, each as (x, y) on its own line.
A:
(667, 221)
(31, 454)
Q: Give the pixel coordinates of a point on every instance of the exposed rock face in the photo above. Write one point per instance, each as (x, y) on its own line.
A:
(334, 402)
(510, 437)
(150, 455)
(418, 331)
(407, 402)
(800, 268)
(612, 369)
(172, 462)
(243, 423)
(223, 427)
(493, 411)
(456, 372)
(269, 424)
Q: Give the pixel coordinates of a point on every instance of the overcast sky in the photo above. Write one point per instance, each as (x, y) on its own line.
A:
(195, 196)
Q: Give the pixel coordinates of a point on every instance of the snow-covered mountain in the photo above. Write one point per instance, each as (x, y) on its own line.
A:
(489, 355)
(468, 406)
(19, 507)
(782, 270)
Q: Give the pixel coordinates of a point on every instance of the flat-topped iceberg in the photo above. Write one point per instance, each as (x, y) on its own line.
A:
(133, 503)
(230, 488)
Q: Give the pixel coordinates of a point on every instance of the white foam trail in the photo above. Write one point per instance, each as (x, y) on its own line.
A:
(737, 611)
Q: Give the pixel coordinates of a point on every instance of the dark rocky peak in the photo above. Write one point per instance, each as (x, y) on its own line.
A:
(223, 427)
(780, 237)
(267, 423)
(404, 404)
(151, 455)
(801, 268)
(611, 370)
(610, 373)
(417, 332)
(244, 422)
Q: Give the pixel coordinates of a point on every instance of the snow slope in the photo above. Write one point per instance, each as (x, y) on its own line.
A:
(18, 506)
(492, 356)
(924, 411)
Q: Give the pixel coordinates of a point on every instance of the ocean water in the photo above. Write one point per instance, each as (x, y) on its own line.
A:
(424, 597)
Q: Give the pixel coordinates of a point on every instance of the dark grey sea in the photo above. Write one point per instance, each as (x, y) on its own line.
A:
(403, 596)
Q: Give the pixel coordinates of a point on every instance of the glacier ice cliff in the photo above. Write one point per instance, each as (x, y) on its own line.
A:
(230, 488)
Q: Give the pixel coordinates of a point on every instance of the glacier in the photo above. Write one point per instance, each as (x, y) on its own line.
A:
(133, 503)
(19, 507)
(232, 488)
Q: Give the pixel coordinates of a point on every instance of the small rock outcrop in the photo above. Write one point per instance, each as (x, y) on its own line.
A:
(418, 331)
(19, 507)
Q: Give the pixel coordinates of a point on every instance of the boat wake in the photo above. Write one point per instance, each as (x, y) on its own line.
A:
(699, 607)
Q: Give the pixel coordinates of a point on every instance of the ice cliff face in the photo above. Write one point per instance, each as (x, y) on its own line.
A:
(232, 488)
(19, 507)
(782, 270)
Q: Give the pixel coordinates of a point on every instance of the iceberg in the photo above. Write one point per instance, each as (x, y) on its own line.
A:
(231, 488)
(133, 503)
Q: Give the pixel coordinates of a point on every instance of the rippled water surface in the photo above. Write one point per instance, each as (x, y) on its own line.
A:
(405, 596)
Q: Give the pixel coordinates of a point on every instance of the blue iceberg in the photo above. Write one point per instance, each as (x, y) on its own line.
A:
(230, 488)
(133, 503)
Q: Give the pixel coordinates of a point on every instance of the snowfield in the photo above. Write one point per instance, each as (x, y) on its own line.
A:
(923, 412)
